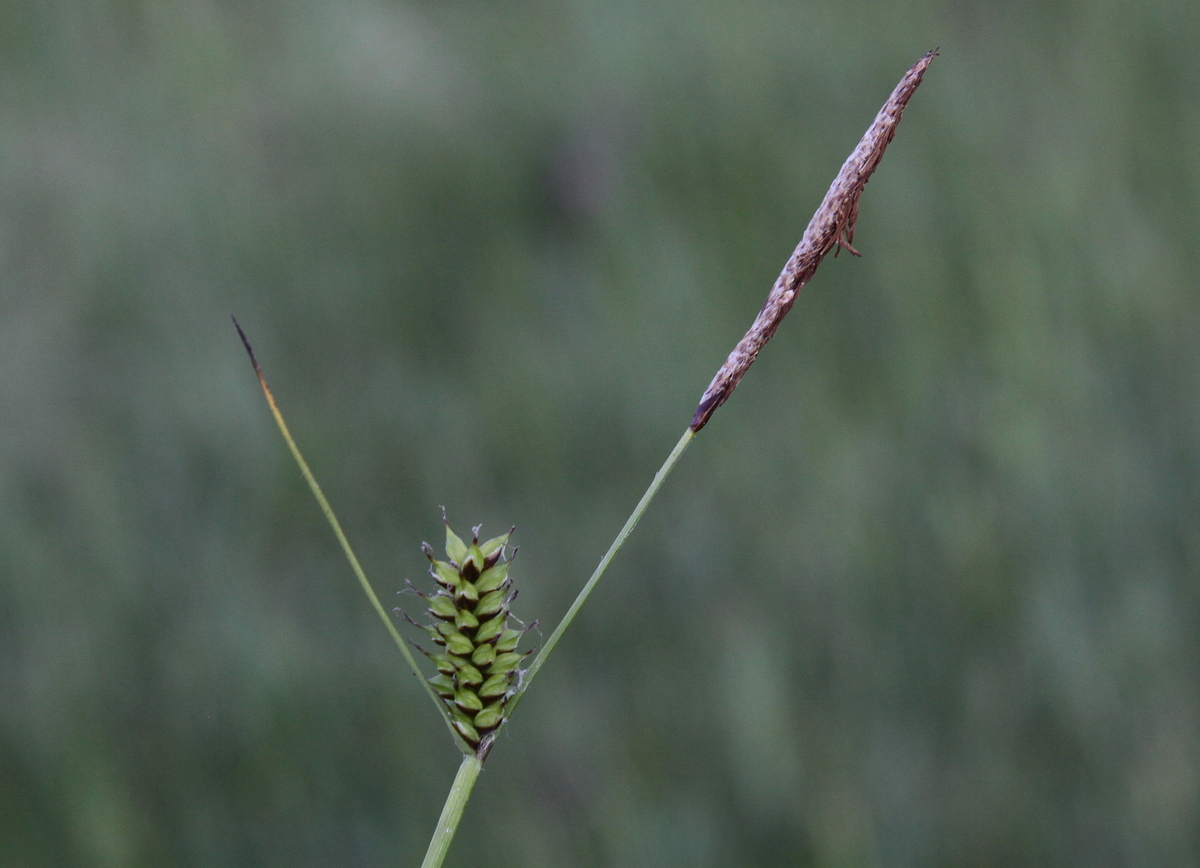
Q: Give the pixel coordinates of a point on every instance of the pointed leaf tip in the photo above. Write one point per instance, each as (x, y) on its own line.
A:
(246, 344)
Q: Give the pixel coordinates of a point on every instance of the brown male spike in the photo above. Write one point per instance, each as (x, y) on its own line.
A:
(831, 226)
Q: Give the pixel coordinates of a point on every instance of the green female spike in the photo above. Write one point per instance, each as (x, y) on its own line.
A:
(468, 618)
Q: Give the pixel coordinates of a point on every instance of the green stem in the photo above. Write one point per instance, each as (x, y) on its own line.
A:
(630, 524)
(464, 781)
(315, 487)
(452, 811)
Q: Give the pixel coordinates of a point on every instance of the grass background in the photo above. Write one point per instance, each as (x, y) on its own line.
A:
(924, 593)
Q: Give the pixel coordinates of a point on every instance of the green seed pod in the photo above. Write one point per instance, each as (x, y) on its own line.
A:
(469, 675)
(477, 662)
(468, 700)
(466, 592)
(443, 684)
(455, 547)
(495, 686)
(462, 722)
(445, 574)
(505, 662)
(490, 604)
(491, 630)
(508, 640)
(442, 607)
(484, 655)
(492, 578)
(457, 643)
(490, 717)
(492, 549)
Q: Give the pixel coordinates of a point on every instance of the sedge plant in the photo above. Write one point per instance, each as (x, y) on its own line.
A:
(480, 672)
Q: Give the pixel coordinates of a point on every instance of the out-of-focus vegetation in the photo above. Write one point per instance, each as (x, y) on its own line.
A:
(926, 592)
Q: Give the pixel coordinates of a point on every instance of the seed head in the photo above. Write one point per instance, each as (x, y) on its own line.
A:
(478, 665)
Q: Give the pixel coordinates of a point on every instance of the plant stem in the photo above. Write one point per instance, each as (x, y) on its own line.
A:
(452, 811)
(464, 781)
(327, 510)
(630, 524)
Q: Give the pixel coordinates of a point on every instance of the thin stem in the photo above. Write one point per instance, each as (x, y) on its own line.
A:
(345, 543)
(464, 781)
(452, 811)
(630, 524)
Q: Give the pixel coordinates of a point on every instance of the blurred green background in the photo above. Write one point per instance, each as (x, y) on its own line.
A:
(925, 591)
